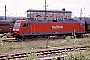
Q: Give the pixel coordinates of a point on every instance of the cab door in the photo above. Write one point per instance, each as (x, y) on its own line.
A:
(25, 29)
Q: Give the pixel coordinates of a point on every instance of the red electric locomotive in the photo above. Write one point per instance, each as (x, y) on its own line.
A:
(33, 28)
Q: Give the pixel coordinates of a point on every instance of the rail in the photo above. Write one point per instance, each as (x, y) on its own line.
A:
(44, 53)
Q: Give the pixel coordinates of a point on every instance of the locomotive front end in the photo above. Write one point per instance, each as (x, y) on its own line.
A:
(16, 28)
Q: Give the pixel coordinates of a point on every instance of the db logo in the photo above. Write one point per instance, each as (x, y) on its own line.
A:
(57, 27)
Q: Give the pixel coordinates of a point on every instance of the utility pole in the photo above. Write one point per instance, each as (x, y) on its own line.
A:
(45, 10)
(81, 13)
(5, 12)
(45, 19)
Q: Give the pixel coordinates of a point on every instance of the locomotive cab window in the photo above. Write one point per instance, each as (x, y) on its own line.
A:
(17, 24)
(25, 25)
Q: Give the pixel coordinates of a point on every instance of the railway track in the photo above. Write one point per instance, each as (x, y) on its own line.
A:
(9, 40)
(43, 53)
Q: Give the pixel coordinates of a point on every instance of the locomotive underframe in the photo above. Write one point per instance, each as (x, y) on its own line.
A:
(48, 35)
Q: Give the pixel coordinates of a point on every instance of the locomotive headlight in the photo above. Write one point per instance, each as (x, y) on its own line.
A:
(17, 29)
(13, 29)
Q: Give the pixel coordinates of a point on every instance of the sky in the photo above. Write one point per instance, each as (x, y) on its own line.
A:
(19, 7)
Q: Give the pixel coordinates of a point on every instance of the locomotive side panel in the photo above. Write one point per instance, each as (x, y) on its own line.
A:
(39, 27)
(82, 28)
(53, 28)
(64, 27)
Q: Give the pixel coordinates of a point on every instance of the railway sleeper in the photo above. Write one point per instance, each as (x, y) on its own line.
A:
(2, 59)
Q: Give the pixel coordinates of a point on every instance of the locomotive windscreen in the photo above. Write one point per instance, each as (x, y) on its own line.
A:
(17, 24)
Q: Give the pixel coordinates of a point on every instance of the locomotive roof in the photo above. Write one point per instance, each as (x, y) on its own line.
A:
(53, 20)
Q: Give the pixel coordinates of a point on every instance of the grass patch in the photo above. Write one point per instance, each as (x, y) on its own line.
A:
(78, 55)
(4, 47)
